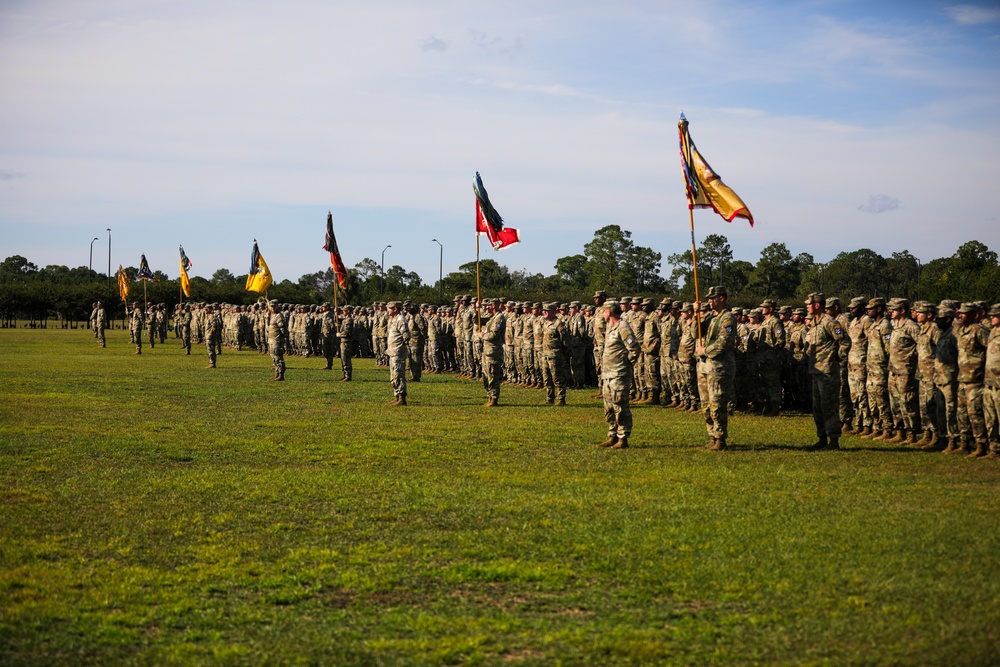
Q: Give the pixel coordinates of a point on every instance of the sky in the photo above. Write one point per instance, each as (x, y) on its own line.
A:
(842, 124)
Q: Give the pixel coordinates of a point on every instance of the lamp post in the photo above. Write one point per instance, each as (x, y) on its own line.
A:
(109, 259)
(440, 272)
(92, 254)
(382, 269)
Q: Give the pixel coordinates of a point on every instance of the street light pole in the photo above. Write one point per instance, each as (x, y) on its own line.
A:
(440, 272)
(92, 254)
(109, 260)
(382, 269)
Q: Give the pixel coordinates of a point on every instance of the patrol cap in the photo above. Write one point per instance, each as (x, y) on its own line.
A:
(756, 313)
(768, 303)
(923, 307)
(737, 311)
(600, 294)
(511, 304)
(626, 299)
(968, 308)
(394, 304)
(800, 311)
(574, 304)
(537, 304)
(899, 303)
(647, 302)
(946, 311)
(875, 302)
(858, 302)
(950, 303)
(995, 310)
(667, 302)
(687, 307)
(832, 302)
(676, 304)
(816, 297)
(785, 310)
(272, 302)
(611, 303)
(716, 291)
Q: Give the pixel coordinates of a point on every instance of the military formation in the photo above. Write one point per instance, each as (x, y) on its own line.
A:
(917, 375)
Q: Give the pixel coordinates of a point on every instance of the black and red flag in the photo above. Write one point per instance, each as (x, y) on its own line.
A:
(489, 222)
(336, 262)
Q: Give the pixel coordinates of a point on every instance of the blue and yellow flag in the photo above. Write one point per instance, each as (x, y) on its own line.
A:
(259, 277)
(705, 188)
(144, 272)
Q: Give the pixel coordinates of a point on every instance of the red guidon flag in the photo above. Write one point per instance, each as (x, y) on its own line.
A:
(489, 222)
(336, 262)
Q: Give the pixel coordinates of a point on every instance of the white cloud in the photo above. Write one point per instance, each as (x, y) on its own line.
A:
(879, 204)
(973, 14)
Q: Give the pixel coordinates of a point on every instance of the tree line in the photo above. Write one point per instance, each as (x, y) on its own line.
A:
(611, 261)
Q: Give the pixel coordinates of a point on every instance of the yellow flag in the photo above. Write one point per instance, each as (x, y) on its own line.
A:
(259, 277)
(704, 187)
(123, 284)
(185, 283)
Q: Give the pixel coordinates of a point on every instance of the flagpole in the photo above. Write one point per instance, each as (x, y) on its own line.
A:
(694, 265)
(479, 313)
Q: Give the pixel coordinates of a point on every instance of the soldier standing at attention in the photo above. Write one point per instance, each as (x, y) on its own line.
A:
(493, 336)
(599, 326)
(136, 324)
(823, 348)
(93, 318)
(184, 327)
(903, 387)
(618, 352)
(770, 343)
(651, 353)
(213, 333)
(276, 339)
(946, 380)
(879, 332)
(328, 334)
(716, 364)
(100, 321)
(927, 341)
(991, 393)
(834, 310)
(152, 323)
(418, 339)
(577, 344)
(554, 346)
(345, 335)
(397, 349)
(857, 361)
(971, 338)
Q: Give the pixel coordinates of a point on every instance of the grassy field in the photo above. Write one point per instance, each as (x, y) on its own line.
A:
(157, 512)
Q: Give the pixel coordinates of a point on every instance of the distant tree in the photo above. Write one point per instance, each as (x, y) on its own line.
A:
(573, 270)
(223, 277)
(608, 258)
(776, 274)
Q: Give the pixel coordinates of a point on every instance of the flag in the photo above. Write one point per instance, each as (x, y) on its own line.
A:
(259, 278)
(335, 260)
(705, 188)
(185, 265)
(123, 284)
(489, 222)
(144, 272)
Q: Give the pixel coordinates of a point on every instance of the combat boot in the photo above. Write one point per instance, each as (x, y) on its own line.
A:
(979, 451)
(993, 455)
(961, 447)
(394, 401)
(561, 403)
(402, 399)
(718, 444)
(900, 437)
(926, 440)
(493, 402)
(887, 435)
(621, 444)
(912, 441)
(673, 403)
(952, 446)
(655, 400)
(935, 444)
(847, 427)
(833, 445)
(867, 432)
(820, 444)
(612, 440)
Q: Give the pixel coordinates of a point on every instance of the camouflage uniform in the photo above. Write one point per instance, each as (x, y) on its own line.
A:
(971, 338)
(345, 336)
(493, 335)
(857, 371)
(599, 325)
(184, 328)
(878, 334)
(100, 322)
(135, 327)
(824, 350)
(903, 388)
(397, 348)
(770, 343)
(213, 334)
(553, 345)
(687, 362)
(927, 341)
(276, 336)
(716, 366)
(620, 347)
(651, 353)
(946, 377)
(991, 392)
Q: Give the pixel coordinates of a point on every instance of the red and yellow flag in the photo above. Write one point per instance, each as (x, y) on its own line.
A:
(336, 262)
(705, 188)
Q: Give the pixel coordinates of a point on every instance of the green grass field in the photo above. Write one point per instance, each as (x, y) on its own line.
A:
(157, 512)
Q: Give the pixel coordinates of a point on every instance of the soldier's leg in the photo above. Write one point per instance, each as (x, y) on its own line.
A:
(548, 378)
(991, 415)
(346, 363)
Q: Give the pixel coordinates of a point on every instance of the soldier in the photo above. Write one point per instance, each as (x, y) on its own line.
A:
(716, 365)
(379, 333)
(418, 340)
(599, 325)
(435, 356)
(328, 335)
(152, 324)
(213, 333)
(618, 352)
(991, 392)
(100, 321)
(345, 336)
(927, 341)
(857, 370)
(834, 310)
(184, 328)
(770, 343)
(824, 349)
(93, 318)
(397, 349)
(667, 322)
(946, 380)
(493, 336)
(135, 327)
(577, 325)
(650, 346)
(971, 338)
(878, 334)
(276, 339)
(162, 322)
(903, 387)
(687, 361)
(554, 345)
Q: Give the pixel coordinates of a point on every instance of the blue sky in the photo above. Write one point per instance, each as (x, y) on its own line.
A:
(841, 124)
